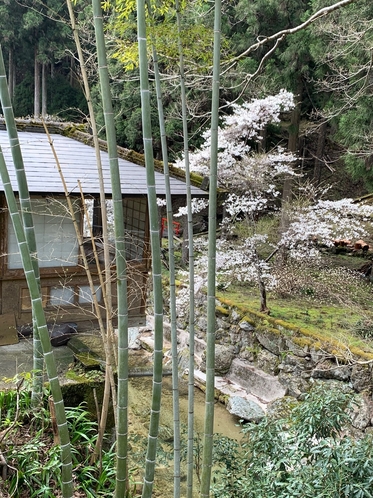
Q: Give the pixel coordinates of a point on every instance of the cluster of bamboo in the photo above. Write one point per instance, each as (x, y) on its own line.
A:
(23, 227)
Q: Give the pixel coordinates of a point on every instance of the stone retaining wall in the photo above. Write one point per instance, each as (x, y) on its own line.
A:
(271, 358)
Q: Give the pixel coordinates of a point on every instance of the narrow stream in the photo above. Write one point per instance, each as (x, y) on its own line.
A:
(140, 390)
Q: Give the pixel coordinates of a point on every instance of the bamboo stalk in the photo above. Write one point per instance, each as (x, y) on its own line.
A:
(93, 124)
(122, 402)
(156, 254)
(109, 366)
(107, 294)
(190, 447)
(211, 290)
(36, 300)
(172, 275)
(26, 212)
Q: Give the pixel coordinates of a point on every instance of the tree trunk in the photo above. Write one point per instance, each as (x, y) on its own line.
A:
(44, 90)
(293, 146)
(320, 152)
(72, 71)
(36, 88)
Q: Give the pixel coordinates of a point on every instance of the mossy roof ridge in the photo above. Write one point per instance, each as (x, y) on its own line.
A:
(319, 342)
(79, 132)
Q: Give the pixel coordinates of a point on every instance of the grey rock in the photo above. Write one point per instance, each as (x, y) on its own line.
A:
(281, 408)
(316, 355)
(202, 324)
(295, 386)
(266, 387)
(247, 355)
(246, 326)
(361, 378)
(165, 433)
(235, 316)
(361, 414)
(223, 359)
(328, 369)
(248, 340)
(245, 409)
(296, 365)
(220, 334)
(199, 346)
(297, 350)
(183, 360)
(271, 341)
(267, 361)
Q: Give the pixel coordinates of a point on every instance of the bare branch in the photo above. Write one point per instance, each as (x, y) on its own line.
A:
(282, 34)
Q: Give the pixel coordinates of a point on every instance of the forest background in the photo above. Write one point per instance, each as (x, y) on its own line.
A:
(327, 67)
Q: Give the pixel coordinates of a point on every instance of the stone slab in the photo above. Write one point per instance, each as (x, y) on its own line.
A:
(245, 409)
(227, 388)
(262, 385)
(16, 359)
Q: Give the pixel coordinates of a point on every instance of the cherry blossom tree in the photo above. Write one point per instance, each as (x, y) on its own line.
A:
(251, 178)
(323, 222)
(237, 133)
(253, 183)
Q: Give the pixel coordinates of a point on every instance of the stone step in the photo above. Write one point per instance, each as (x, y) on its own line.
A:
(82, 350)
(238, 401)
(261, 384)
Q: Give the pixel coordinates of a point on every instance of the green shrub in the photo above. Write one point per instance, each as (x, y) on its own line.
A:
(301, 455)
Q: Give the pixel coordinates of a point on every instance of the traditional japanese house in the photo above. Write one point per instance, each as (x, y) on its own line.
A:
(65, 289)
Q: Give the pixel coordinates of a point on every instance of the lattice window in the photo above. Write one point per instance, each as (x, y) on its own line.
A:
(55, 235)
(135, 218)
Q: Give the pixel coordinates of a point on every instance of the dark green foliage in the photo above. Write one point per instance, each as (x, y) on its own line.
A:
(354, 130)
(64, 101)
(35, 466)
(23, 101)
(303, 454)
(8, 406)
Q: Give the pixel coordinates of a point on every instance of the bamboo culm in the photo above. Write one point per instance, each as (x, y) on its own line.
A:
(190, 448)
(156, 254)
(211, 291)
(26, 212)
(172, 275)
(108, 336)
(34, 289)
(120, 258)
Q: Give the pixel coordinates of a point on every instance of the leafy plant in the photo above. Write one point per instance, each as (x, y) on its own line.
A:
(34, 466)
(301, 454)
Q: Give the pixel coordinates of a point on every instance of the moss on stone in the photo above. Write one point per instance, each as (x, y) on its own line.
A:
(222, 310)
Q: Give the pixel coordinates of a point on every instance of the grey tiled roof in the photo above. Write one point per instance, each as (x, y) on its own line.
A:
(78, 162)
